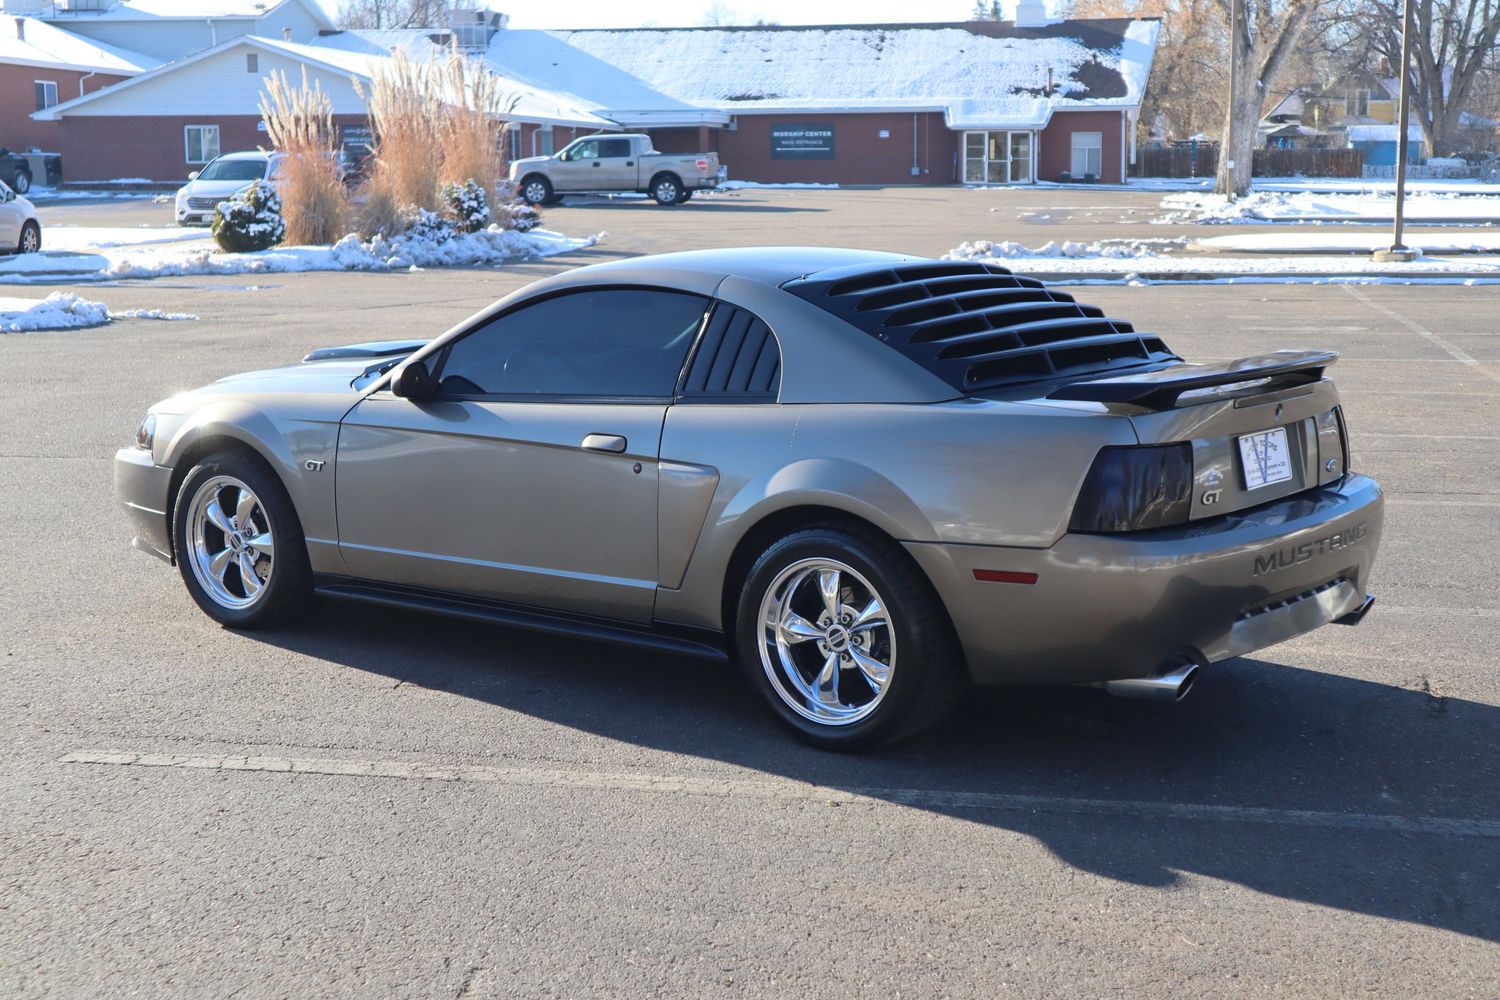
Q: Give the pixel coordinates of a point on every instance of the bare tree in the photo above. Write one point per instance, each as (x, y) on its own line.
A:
(1453, 47)
(1268, 31)
(393, 13)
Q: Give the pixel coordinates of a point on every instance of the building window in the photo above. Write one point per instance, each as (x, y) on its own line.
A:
(542, 139)
(513, 142)
(201, 142)
(252, 62)
(1357, 104)
(1088, 154)
(46, 94)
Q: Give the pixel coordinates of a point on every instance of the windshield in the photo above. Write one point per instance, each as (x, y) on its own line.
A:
(234, 170)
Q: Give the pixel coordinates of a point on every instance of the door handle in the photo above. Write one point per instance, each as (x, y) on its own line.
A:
(597, 163)
(604, 442)
(630, 163)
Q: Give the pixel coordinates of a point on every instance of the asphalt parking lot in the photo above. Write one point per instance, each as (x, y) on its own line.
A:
(382, 804)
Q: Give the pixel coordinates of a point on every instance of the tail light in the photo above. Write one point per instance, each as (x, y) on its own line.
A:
(703, 163)
(1135, 488)
(1338, 413)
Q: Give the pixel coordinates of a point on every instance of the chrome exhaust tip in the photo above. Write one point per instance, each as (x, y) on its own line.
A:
(1171, 685)
(1358, 614)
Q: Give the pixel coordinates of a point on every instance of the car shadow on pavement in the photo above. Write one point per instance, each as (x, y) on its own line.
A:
(708, 204)
(1258, 757)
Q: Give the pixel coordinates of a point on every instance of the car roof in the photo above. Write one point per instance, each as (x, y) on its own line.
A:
(248, 154)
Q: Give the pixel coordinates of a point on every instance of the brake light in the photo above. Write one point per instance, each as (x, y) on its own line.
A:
(1132, 488)
(703, 164)
(1338, 413)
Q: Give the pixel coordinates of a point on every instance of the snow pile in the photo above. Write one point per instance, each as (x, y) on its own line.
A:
(1263, 206)
(67, 311)
(422, 246)
(1351, 240)
(744, 185)
(58, 311)
(1110, 249)
(149, 314)
(87, 238)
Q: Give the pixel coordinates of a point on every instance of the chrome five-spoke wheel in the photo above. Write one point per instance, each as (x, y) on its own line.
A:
(827, 644)
(230, 548)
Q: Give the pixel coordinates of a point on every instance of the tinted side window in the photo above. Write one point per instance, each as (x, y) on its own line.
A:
(605, 342)
(584, 151)
(614, 147)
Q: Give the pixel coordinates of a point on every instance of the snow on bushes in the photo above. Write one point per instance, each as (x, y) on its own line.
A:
(250, 220)
(468, 206)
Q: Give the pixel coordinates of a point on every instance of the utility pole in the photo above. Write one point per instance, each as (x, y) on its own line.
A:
(1399, 251)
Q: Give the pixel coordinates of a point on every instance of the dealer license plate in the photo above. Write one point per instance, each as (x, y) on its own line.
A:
(1265, 458)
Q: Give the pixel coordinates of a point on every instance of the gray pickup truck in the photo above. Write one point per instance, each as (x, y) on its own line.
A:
(609, 163)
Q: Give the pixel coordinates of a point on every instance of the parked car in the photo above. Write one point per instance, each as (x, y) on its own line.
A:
(20, 229)
(869, 478)
(608, 163)
(15, 171)
(222, 177)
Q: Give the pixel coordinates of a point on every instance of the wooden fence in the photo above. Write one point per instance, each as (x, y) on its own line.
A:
(1179, 161)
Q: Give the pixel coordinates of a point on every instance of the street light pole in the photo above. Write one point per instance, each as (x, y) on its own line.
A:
(1400, 251)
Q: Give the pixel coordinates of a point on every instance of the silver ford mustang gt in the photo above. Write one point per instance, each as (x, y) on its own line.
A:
(869, 478)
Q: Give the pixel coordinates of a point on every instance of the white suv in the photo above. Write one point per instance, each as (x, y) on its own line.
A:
(197, 199)
(19, 229)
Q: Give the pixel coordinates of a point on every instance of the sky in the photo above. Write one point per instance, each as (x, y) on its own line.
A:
(678, 13)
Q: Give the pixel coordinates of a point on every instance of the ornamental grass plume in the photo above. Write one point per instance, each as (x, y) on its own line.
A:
(299, 122)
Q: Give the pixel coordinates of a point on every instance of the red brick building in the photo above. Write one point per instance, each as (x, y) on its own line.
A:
(988, 102)
(41, 66)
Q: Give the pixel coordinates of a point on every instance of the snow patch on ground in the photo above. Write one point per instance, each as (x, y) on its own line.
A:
(86, 238)
(149, 314)
(1056, 264)
(58, 311)
(1107, 249)
(165, 260)
(1305, 206)
(67, 311)
(788, 185)
(1343, 240)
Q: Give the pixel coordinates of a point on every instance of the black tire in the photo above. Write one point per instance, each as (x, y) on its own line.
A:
(686, 196)
(288, 592)
(23, 181)
(553, 201)
(666, 189)
(926, 679)
(535, 189)
(31, 238)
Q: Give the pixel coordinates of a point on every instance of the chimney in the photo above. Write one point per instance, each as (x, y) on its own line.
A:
(286, 34)
(21, 29)
(1030, 13)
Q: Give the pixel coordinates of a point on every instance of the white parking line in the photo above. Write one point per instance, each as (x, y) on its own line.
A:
(799, 791)
(1452, 350)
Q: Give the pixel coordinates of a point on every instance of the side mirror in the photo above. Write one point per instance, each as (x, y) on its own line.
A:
(193, 176)
(413, 381)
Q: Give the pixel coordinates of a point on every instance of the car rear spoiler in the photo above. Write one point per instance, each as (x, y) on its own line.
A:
(1160, 389)
(373, 349)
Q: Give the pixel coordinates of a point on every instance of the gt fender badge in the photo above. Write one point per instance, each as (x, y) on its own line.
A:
(312, 465)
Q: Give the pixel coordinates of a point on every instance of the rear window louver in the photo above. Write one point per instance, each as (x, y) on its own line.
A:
(978, 326)
(737, 359)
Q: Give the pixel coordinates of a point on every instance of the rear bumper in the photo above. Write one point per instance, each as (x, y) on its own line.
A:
(1107, 607)
(143, 487)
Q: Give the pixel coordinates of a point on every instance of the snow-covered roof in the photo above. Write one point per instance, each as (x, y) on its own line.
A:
(542, 63)
(45, 44)
(1382, 133)
(152, 10)
(981, 74)
(531, 104)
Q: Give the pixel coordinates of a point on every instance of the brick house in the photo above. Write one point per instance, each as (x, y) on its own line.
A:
(171, 120)
(42, 65)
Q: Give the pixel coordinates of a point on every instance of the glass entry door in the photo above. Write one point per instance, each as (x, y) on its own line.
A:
(997, 157)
